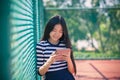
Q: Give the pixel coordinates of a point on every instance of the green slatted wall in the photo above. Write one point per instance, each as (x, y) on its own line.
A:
(22, 41)
(24, 32)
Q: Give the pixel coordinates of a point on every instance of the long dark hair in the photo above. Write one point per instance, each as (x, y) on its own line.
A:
(65, 37)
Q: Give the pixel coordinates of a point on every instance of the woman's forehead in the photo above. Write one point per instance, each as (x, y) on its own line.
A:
(58, 26)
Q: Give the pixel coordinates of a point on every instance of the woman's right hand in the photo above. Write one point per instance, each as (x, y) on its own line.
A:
(55, 57)
(44, 68)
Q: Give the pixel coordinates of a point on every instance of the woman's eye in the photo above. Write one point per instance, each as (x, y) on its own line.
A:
(54, 30)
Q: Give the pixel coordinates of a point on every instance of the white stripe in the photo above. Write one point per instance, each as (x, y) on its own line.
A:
(39, 62)
(57, 69)
(40, 47)
(46, 56)
(62, 44)
(58, 62)
(54, 47)
(39, 54)
(38, 66)
(46, 44)
(39, 59)
(48, 52)
(51, 47)
(39, 51)
(52, 66)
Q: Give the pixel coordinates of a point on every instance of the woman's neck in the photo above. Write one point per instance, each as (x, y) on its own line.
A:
(53, 42)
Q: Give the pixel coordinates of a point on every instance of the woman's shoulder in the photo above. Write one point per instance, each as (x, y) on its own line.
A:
(42, 42)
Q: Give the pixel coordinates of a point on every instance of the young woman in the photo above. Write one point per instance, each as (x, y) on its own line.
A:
(54, 52)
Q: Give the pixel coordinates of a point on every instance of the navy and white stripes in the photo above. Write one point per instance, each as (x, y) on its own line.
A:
(44, 49)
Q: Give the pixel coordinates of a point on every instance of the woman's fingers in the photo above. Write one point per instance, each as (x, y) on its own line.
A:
(55, 56)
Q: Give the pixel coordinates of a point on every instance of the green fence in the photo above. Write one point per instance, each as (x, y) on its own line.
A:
(21, 23)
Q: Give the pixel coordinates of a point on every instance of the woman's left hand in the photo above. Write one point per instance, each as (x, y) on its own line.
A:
(66, 55)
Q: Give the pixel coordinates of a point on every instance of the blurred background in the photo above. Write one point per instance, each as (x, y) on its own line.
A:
(93, 26)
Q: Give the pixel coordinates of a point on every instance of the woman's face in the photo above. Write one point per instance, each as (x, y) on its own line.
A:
(56, 33)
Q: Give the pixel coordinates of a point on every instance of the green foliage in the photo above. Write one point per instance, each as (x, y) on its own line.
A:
(101, 23)
(93, 55)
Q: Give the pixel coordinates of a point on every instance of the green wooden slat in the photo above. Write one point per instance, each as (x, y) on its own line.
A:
(23, 65)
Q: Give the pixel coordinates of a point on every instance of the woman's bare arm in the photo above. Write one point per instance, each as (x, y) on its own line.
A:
(43, 69)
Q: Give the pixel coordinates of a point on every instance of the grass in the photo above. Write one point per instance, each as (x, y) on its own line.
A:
(93, 55)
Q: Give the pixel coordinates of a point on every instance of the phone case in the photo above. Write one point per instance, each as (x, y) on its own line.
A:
(63, 51)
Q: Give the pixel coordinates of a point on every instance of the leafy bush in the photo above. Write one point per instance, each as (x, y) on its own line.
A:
(93, 55)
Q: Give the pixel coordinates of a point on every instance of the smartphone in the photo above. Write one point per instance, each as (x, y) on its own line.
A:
(63, 51)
